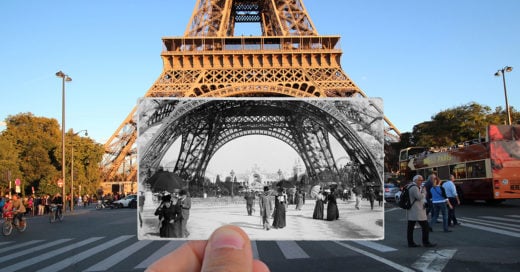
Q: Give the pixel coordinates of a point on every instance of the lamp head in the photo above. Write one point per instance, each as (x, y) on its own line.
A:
(60, 74)
(508, 69)
(67, 78)
(498, 73)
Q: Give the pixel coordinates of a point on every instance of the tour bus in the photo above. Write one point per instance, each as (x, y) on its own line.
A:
(484, 169)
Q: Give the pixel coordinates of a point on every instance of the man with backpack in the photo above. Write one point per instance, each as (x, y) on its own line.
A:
(416, 212)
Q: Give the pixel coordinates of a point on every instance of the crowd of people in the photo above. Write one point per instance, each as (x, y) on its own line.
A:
(428, 200)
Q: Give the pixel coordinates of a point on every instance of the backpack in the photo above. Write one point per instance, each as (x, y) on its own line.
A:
(404, 200)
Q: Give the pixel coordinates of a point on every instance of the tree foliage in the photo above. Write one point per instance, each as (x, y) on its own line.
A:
(30, 149)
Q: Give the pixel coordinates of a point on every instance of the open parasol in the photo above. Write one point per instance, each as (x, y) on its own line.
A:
(315, 190)
(165, 181)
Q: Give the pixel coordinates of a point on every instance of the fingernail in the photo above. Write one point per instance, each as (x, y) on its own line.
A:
(227, 238)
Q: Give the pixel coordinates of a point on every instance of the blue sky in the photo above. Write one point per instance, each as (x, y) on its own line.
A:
(421, 57)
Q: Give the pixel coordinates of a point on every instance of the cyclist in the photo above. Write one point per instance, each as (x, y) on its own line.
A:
(58, 200)
(18, 209)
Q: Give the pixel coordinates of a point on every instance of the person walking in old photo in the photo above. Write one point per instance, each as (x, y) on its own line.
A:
(319, 206)
(332, 206)
(184, 203)
(279, 210)
(265, 207)
(167, 215)
(250, 201)
(417, 213)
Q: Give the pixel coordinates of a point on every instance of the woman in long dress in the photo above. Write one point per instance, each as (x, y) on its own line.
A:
(279, 210)
(332, 206)
(318, 208)
(299, 200)
(167, 215)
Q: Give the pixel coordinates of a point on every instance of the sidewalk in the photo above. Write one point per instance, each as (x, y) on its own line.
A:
(353, 224)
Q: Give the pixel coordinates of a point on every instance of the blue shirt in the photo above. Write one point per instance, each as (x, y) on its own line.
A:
(449, 186)
(437, 195)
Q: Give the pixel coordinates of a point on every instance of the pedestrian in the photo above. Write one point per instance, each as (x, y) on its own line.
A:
(428, 186)
(185, 205)
(440, 204)
(299, 200)
(319, 206)
(357, 192)
(265, 207)
(167, 216)
(250, 201)
(371, 197)
(279, 210)
(417, 213)
(332, 206)
(453, 198)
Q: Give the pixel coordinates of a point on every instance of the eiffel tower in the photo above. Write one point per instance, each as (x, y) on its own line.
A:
(289, 59)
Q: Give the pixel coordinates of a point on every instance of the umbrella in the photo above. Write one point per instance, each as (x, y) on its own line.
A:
(315, 190)
(165, 181)
(285, 184)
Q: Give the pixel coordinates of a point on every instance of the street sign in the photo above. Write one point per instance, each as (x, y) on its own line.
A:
(17, 182)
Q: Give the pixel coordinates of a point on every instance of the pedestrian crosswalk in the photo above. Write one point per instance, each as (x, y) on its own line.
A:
(127, 253)
(505, 225)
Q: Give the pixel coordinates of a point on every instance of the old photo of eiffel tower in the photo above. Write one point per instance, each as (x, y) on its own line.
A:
(312, 127)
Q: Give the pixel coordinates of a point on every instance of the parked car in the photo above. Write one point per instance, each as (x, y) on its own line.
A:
(390, 191)
(130, 201)
(397, 196)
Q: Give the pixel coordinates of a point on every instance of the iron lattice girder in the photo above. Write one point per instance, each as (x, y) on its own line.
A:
(303, 125)
(217, 18)
(289, 59)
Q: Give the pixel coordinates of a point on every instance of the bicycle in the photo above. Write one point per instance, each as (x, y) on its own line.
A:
(11, 222)
(55, 215)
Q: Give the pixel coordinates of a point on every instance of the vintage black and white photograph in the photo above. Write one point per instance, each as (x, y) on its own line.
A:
(279, 168)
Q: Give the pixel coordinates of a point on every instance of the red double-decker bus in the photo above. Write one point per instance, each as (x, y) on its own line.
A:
(485, 169)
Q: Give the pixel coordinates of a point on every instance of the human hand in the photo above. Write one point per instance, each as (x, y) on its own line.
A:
(228, 249)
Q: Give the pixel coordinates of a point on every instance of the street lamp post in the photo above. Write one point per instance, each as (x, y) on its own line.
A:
(502, 72)
(72, 169)
(64, 78)
(232, 182)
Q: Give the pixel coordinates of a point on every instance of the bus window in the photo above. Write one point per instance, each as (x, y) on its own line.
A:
(443, 172)
(458, 170)
(476, 169)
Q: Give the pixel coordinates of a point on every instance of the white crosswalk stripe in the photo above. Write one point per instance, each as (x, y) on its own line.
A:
(122, 250)
(505, 225)
(48, 255)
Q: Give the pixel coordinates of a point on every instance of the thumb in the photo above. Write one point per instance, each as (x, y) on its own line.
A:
(228, 249)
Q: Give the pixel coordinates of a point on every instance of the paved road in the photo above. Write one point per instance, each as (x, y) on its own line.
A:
(106, 240)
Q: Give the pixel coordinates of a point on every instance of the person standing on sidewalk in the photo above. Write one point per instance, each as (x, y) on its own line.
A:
(265, 207)
(453, 198)
(417, 213)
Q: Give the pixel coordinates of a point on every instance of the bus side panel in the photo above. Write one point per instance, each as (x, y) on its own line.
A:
(505, 160)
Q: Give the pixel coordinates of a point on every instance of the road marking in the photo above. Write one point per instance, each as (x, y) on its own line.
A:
(377, 258)
(256, 255)
(434, 260)
(513, 215)
(163, 251)
(49, 255)
(499, 231)
(501, 219)
(5, 249)
(70, 261)
(392, 209)
(291, 250)
(31, 250)
(112, 260)
(376, 246)
(5, 243)
(492, 224)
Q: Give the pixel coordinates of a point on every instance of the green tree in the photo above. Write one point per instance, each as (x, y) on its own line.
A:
(30, 148)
